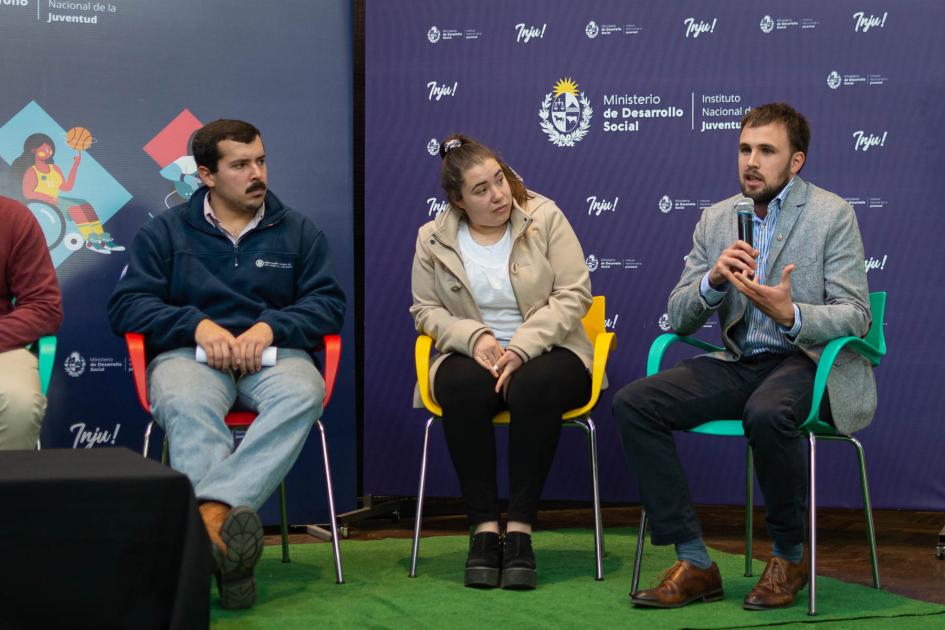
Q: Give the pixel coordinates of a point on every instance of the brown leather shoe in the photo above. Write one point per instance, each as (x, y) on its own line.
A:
(778, 585)
(213, 514)
(681, 584)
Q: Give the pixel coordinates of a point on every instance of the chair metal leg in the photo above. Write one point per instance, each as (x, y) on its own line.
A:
(812, 507)
(590, 430)
(283, 522)
(868, 510)
(335, 546)
(749, 507)
(867, 504)
(147, 437)
(638, 557)
(419, 516)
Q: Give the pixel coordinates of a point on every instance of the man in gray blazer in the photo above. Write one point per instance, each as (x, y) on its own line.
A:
(779, 302)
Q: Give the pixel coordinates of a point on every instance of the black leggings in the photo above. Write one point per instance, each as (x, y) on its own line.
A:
(540, 392)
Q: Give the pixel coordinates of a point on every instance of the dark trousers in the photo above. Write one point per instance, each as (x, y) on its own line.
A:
(772, 395)
(539, 393)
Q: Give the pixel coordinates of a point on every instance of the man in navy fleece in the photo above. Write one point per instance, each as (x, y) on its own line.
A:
(232, 271)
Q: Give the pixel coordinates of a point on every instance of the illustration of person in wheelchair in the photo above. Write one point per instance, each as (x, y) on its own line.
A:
(41, 184)
(183, 173)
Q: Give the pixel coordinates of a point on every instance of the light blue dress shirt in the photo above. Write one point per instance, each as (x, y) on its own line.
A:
(757, 332)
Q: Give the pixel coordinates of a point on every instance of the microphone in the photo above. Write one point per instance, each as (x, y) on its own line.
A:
(744, 211)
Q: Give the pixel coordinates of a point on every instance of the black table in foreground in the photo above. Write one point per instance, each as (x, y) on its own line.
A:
(99, 538)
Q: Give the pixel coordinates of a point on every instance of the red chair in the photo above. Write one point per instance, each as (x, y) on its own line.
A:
(242, 419)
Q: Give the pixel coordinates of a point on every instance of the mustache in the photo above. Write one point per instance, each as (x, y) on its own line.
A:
(256, 186)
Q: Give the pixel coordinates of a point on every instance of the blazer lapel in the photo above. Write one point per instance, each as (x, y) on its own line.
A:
(790, 211)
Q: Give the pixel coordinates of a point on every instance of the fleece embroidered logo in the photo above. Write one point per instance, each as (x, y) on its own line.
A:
(272, 264)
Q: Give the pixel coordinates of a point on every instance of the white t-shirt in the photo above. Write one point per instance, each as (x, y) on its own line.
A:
(487, 267)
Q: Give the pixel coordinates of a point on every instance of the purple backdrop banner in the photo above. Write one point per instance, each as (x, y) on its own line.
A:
(626, 113)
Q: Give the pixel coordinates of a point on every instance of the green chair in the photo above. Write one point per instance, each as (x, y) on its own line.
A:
(46, 349)
(47, 357)
(873, 348)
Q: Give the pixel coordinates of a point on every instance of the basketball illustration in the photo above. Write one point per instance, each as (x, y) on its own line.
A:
(79, 138)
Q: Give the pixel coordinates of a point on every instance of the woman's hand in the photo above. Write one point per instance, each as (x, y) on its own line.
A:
(505, 366)
(487, 352)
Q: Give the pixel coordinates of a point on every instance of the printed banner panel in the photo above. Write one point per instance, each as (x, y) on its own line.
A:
(626, 113)
(109, 95)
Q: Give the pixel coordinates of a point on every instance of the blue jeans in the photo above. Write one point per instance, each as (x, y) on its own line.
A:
(190, 399)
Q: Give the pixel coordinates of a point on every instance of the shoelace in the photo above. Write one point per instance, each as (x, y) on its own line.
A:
(775, 578)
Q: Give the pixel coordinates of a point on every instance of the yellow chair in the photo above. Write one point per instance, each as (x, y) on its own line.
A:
(603, 343)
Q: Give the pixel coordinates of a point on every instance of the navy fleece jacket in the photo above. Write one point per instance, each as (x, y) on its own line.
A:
(183, 270)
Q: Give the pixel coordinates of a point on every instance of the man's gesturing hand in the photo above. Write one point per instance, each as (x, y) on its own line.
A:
(775, 302)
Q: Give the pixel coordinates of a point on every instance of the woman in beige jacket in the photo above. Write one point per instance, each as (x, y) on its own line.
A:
(500, 283)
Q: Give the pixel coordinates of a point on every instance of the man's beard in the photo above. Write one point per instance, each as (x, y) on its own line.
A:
(766, 194)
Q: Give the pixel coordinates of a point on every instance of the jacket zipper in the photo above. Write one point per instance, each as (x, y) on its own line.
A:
(236, 246)
(203, 227)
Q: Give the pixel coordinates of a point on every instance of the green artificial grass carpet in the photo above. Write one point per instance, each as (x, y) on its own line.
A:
(378, 593)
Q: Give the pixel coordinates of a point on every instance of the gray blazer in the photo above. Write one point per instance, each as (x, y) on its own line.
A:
(818, 232)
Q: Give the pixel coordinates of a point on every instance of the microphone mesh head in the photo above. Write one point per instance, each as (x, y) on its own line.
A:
(744, 205)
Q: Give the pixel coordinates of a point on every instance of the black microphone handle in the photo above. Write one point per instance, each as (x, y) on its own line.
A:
(745, 228)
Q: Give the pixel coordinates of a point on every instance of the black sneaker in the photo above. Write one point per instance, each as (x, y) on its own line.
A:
(242, 533)
(484, 560)
(518, 565)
